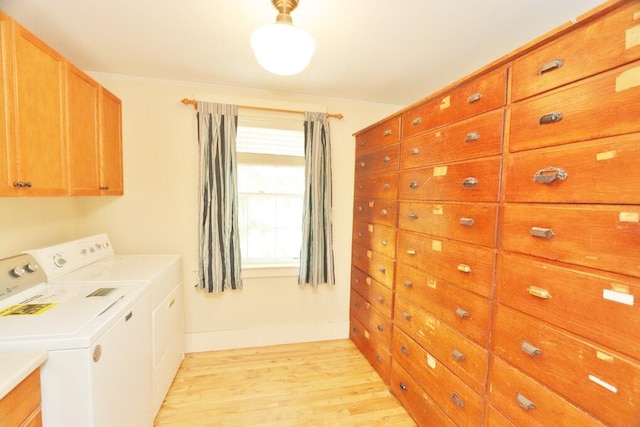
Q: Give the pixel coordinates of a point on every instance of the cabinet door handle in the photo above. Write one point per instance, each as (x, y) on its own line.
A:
(28, 184)
(467, 222)
(404, 350)
(415, 151)
(382, 270)
(530, 349)
(403, 386)
(545, 233)
(408, 284)
(525, 403)
(457, 400)
(472, 136)
(462, 313)
(386, 159)
(387, 132)
(380, 299)
(406, 316)
(474, 98)
(554, 117)
(384, 212)
(539, 292)
(550, 174)
(412, 215)
(384, 242)
(18, 184)
(551, 65)
(457, 355)
(470, 182)
(413, 184)
(416, 121)
(380, 328)
(386, 186)
(378, 358)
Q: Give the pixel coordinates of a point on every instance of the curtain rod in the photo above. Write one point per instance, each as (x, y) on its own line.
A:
(194, 102)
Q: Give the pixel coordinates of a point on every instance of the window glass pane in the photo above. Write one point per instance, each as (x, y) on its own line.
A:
(261, 211)
(288, 243)
(261, 243)
(289, 212)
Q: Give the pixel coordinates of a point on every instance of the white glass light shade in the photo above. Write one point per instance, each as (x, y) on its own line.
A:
(282, 48)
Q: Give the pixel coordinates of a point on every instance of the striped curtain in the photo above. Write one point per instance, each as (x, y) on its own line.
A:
(316, 257)
(219, 264)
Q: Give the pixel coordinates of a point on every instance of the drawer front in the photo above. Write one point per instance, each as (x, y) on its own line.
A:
(482, 94)
(387, 132)
(467, 266)
(378, 211)
(479, 136)
(417, 403)
(381, 268)
(385, 159)
(603, 237)
(377, 326)
(467, 312)
(603, 171)
(475, 181)
(22, 401)
(513, 393)
(378, 295)
(377, 355)
(493, 418)
(376, 186)
(466, 359)
(605, 105)
(464, 406)
(377, 237)
(593, 378)
(602, 45)
(569, 298)
(466, 222)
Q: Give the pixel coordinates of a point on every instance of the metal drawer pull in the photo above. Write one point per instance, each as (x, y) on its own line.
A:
(384, 212)
(554, 117)
(415, 151)
(406, 316)
(411, 251)
(413, 184)
(539, 292)
(550, 174)
(384, 243)
(551, 65)
(472, 136)
(378, 358)
(457, 400)
(470, 182)
(403, 386)
(464, 268)
(530, 349)
(387, 132)
(386, 186)
(474, 98)
(404, 350)
(416, 121)
(524, 402)
(412, 215)
(362, 164)
(459, 356)
(380, 299)
(462, 313)
(408, 284)
(545, 233)
(386, 159)
(380, 328)
(467, 222)
(382, 269)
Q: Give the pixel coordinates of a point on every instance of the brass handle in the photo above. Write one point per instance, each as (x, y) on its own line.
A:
(416, 121)
(467, 222)
(545, 233)
(380, 328)
(403, 386)
(18, 184)
(408, 283)
(415, 151)
(413, 184)
(404, 350)
(551, 65)
(28, 184)
(539, 292)
(411, 251)
(470, 182)
(386, 159)
(464, 268)
(525, 403)
(550, 174)
(554, 117)
(406, 316)
(472, 136)
(462, 313)
(457, 400)
(387, 132)
(412, 215)
(474, 98)
(530, 349)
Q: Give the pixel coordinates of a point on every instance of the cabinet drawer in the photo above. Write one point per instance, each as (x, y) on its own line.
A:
(467, 266)
(415, 400)
(603, 237)
(467, 222)
(464, 406)
(376, 186)
(387, 132)
(376, 325)
(385, 159)
(381, 268)
(601, 45)
(465, 311)
(493, 418)
(378, 356)
(378, 211)
(378, 295)
(482, 94)
(602, 306)
(529, 403)
(479, 136)
(603, 106)
(603, 171)
(463, 357)
(475, 181)
(607, 385)
(377, 237)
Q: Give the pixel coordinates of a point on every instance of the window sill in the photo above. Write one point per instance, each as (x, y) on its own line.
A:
(257, 271)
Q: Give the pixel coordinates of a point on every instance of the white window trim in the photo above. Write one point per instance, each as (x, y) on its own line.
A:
(259, 271)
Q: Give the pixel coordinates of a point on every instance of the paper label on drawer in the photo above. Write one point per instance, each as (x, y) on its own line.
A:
(436, 245)
(603, 384)
(438, 134)
(431, 323)
(607, 155)
(438, 210)
(604, 356)
(440, 171)
(369, 254)
(370, 228)
(619, 297)
(628, 79)
(366, 334)
(431, 361)
(629, 217)
(632, 36)
(445, 103)
(432, 283)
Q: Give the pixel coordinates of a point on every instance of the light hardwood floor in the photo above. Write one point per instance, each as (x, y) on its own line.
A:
(324, 384)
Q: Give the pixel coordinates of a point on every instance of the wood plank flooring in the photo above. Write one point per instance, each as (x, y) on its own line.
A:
(325, 383)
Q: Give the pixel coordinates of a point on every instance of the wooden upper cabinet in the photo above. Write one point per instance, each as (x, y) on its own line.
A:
(82, 126)
(111, 181)
(7, 142)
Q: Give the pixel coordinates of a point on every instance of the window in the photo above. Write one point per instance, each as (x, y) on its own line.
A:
(270, 189)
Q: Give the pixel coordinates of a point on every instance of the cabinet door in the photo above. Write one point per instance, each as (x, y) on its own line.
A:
(40, 122)
(111, 182)
(82, 119)
(7, 142)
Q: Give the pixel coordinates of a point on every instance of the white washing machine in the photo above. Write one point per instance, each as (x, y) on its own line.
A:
(92, 260)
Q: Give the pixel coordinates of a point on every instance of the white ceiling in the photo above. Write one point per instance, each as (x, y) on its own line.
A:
(392, 51)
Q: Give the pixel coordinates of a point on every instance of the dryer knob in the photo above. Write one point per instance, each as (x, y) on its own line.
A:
(17, 272)
(32, 267)
(59, 260)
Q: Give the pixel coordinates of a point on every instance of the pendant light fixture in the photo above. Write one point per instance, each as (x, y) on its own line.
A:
(282, 48)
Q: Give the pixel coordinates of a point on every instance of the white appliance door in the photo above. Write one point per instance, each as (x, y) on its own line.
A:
(122, 368)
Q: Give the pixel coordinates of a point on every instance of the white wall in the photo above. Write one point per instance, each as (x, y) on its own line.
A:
(158, 214)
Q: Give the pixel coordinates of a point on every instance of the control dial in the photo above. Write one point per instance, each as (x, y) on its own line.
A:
(17, 272)
(32, 267)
